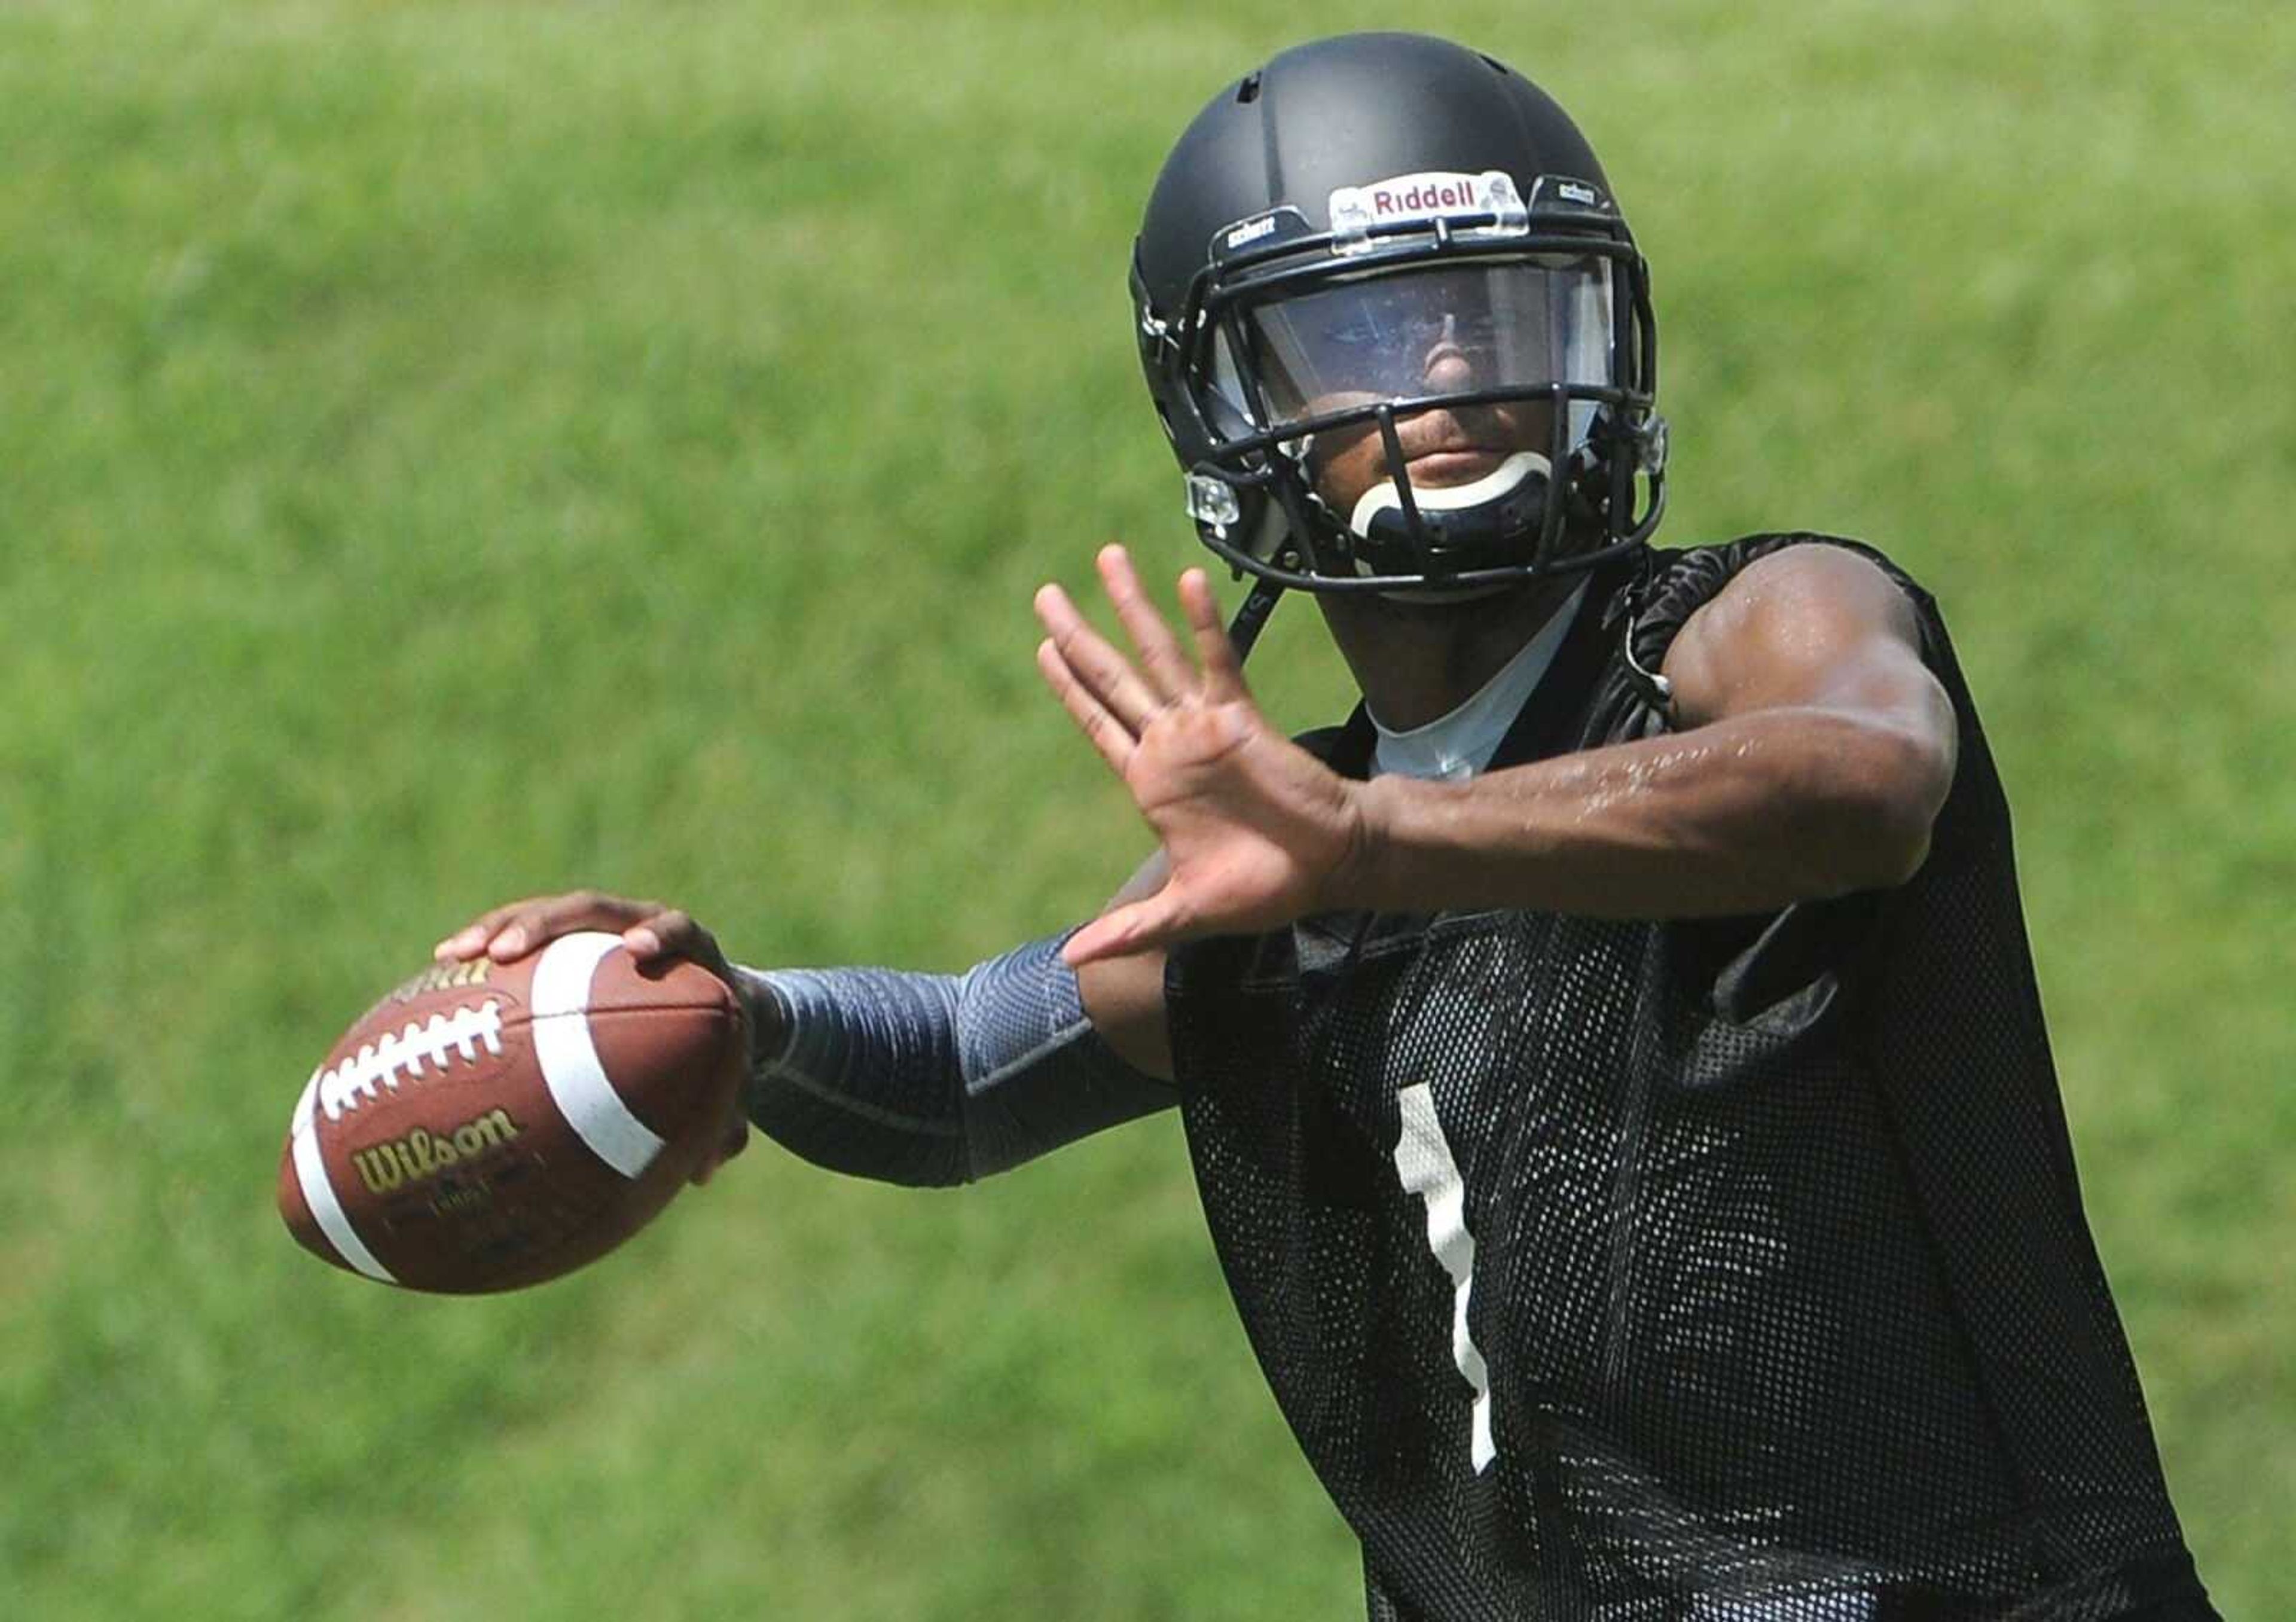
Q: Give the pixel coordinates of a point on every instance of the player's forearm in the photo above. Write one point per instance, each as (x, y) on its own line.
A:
(1747, 814)
(935, 1079)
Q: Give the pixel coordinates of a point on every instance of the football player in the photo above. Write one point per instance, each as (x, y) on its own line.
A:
(1610, 1061)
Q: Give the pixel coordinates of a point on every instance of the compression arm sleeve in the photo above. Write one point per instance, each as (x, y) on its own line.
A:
(936, 1079)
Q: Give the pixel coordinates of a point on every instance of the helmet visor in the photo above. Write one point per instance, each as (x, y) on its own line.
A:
(1458, 328)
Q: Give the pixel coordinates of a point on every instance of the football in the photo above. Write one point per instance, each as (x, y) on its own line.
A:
(490, 1125)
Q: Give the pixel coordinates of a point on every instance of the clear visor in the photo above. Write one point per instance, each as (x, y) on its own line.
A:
(1444, 329)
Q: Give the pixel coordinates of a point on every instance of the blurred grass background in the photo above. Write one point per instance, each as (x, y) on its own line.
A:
(448, 451)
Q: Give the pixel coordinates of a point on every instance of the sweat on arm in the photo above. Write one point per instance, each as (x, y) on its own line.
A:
(1812, 752)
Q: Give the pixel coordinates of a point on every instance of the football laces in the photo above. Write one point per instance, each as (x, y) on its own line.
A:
(413, 1050)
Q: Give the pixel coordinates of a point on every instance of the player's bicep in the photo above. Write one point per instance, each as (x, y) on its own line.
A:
(1819, 628)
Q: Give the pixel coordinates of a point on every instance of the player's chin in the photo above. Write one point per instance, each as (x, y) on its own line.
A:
(1456, 612)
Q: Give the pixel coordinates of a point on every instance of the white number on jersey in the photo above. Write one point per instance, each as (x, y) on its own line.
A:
(1422, 1160)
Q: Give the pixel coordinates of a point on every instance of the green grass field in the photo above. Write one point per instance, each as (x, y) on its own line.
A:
(448, 451)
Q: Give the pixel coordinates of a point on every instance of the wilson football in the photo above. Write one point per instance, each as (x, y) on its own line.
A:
(489, 1125)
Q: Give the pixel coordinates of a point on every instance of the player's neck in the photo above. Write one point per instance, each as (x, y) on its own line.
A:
(1415, 663)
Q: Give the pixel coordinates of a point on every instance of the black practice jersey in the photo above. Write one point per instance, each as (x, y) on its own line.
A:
(1680, 1270)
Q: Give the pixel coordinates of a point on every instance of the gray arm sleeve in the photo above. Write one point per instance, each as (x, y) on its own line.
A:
(936, 1079)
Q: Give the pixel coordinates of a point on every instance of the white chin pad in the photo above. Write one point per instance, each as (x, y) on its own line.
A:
(1501, 481)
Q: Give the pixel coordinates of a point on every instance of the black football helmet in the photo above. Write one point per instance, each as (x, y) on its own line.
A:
(1380, 230)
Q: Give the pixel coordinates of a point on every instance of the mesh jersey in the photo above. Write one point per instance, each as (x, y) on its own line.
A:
(1736, 1270)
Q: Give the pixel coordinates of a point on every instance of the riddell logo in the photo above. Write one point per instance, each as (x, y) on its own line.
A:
(1486, 204)
(1428, 195)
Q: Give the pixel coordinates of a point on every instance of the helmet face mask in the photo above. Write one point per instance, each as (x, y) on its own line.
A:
(1373, 387)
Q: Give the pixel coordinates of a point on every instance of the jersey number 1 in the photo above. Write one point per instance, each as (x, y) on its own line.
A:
(1424, 1161)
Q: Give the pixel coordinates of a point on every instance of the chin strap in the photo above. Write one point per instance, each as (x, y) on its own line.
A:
(1245, 630)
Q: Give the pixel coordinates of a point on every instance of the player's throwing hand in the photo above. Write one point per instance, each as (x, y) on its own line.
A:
(655, 936)
(1256, 829)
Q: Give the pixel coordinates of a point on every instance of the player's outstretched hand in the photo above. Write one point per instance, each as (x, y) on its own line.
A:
(1254, 828)
(656, 936)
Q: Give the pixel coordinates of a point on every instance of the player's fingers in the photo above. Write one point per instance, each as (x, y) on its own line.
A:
(668, 934)
(533, 927)
(1223, 670)
(1095, 662)
(1162, 660)
(736, 1138)
(1160, 920)
(472, 938)
(672, 937)
(1114, 740)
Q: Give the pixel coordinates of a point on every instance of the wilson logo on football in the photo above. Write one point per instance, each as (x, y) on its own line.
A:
(418, 1156)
